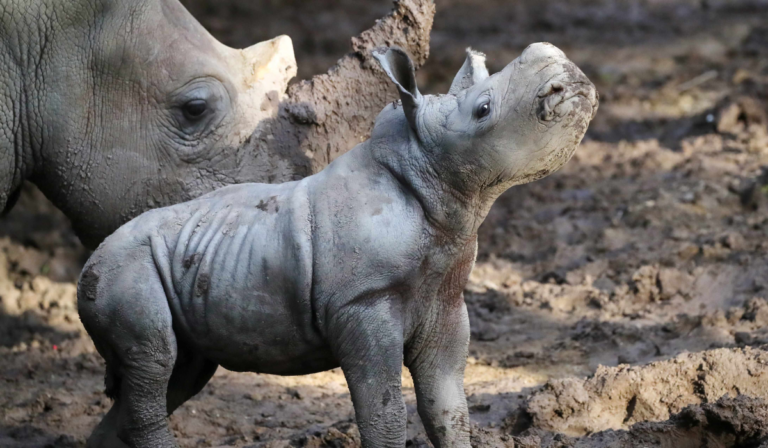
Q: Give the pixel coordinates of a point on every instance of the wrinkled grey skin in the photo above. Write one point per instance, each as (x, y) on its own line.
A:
(94, 103)
(93, 106)
(361, 266)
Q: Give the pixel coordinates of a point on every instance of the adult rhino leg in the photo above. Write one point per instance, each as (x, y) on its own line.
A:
(11, 178)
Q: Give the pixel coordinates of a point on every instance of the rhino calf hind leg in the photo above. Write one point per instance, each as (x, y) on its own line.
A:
(142, 419)
(190, 374)
(105, 435)
(127, 314)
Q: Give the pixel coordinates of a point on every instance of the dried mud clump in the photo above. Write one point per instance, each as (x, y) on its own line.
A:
(617, 397)
(342, 435)
(730, 422)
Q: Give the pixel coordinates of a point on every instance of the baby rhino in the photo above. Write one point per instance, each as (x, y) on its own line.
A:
(360, 266)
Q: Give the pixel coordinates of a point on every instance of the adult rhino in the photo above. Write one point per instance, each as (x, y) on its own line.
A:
(113, 107)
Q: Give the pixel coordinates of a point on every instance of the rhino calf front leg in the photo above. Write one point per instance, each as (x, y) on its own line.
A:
(437, 367)
(368, 342)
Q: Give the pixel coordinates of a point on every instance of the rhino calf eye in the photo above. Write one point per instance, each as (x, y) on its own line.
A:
(195, 109)
(483, 110)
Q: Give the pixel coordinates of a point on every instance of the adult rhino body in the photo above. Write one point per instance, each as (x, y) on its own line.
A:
(113, 107)
(362, 265)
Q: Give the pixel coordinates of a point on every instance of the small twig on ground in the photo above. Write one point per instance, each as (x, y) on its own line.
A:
(697, 81)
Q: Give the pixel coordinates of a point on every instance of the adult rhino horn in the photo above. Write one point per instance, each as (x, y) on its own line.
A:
(266, 69)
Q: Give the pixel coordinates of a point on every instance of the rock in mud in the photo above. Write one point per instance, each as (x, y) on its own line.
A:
(646, 283)
(674, 282)
(756, 311)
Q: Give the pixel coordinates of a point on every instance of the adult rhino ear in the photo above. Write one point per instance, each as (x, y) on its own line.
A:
(472, 72)
(399, 67)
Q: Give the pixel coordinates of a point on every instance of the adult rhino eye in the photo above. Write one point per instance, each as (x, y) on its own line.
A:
(483, 110)
(194, 109)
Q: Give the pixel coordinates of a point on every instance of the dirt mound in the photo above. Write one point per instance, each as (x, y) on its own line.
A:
(36, 311)
(618, 397)
(728, 423)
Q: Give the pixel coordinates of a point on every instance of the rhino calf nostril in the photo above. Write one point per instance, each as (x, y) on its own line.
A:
(553, 89)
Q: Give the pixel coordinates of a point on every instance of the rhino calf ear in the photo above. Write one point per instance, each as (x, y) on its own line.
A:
(472, 72)
(399, 67)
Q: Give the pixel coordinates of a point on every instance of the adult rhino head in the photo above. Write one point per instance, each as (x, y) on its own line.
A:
(112, 107)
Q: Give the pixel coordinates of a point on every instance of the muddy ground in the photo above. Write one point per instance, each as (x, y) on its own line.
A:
(620, 302)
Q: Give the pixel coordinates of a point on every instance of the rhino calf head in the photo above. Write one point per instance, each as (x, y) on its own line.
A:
(495, 131)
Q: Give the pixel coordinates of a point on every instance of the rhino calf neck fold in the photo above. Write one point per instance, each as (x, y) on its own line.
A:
(362, 265)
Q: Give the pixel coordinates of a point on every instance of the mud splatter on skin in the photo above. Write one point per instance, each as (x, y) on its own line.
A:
(456, 279)
(269, 206)
(191, 260)
(89, 282)
(385, 399)
(202, 285)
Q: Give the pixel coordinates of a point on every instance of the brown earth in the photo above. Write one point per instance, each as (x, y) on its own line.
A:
(620, 302)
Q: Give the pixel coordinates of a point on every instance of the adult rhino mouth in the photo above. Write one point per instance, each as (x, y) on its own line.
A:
(554, 95)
